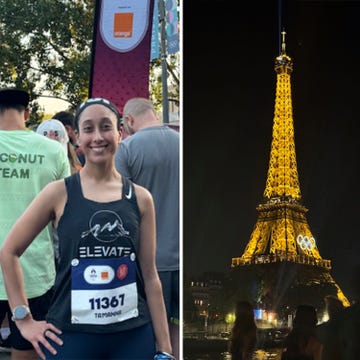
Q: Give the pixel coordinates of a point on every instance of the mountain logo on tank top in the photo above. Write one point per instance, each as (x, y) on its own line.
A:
(105, 226)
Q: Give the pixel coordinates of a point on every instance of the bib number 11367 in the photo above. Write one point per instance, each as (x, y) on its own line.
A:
(106, 303)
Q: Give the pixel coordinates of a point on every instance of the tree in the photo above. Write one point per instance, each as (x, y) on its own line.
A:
(155, 83)
(45, 47)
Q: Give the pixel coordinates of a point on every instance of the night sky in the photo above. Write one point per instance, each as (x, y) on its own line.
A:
(228, 106)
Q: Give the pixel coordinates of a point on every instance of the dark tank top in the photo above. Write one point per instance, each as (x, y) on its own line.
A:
(98, 286)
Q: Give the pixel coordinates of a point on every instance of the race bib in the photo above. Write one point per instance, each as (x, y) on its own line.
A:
(103, 291)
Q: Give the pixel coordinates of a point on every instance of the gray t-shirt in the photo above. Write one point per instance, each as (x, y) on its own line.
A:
(150, 158)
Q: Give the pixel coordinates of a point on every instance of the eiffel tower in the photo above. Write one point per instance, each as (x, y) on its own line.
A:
(282, 256)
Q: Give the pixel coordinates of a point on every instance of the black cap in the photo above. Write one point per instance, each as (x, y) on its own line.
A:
(12, 96)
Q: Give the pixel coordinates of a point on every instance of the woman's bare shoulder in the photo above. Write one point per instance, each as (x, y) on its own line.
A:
(52, 194)
(55, 188)
(144, 198)
(142, 194)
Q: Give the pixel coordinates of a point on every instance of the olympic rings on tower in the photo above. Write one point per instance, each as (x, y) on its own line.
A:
(305, 242)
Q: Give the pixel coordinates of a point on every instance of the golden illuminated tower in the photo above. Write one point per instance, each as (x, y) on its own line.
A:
(281, 233)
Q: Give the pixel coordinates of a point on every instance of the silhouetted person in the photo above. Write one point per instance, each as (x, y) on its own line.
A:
(349, 322)
(340, 335)
(243, 334)
(329, 331)
(302, 343)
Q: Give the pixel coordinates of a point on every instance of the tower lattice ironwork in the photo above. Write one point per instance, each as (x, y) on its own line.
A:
(282, 233)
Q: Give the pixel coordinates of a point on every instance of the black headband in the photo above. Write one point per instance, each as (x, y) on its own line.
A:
(100, 101)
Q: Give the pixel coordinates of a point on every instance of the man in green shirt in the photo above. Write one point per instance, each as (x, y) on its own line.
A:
(28, 162)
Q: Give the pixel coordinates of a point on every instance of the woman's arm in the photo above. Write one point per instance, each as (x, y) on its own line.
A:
(152, 282)
(39, 213)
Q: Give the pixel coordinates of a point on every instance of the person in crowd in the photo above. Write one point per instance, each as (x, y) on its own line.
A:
(124, 133)
(28, 163)
(333, 346)
(243, 335)
(67, 119)
(341, 333)
(302, 342)
(347, 327)
(150, 158)
(351, 318)
(108, 301)
(54, 129)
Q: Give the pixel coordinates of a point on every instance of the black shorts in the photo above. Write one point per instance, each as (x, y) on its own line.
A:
(39, 307)
(171, 290)
(136, 344)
